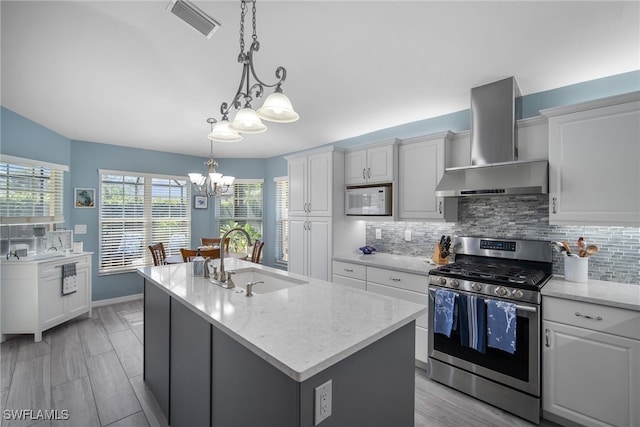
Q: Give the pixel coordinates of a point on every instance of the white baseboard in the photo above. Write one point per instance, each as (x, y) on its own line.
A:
(117, 300)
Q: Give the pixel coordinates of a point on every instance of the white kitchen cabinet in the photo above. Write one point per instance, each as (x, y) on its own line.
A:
(316, 202)
(32, 299)
(590, 363)
(310, 184)
(406, 286)
(421, 165)
(310, 247)
(349, 274)
(594, 147)
(372, 165)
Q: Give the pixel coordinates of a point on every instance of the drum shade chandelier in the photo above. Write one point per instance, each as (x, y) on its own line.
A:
(213, 183)
(276, 108)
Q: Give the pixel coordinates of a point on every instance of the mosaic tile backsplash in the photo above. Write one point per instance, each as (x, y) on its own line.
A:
(518, 217)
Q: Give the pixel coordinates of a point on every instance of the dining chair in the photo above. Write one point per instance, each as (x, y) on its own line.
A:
(257, 251)
(158, 254)
(189, 254)
(211, 241)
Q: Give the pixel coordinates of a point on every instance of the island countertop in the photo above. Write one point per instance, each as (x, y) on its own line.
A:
(300, 330)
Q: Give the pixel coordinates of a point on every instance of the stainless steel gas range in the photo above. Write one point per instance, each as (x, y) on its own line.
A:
(492, 271)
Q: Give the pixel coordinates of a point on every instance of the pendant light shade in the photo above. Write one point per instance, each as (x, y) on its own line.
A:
(247, 121)
(277, 108)
(223, 133)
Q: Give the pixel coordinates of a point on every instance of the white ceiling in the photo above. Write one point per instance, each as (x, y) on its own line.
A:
(131, 73)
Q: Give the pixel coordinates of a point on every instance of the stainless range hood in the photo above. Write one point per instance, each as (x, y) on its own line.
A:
(495, 169)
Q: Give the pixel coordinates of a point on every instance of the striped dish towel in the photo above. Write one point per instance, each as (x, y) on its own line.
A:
(473, 322)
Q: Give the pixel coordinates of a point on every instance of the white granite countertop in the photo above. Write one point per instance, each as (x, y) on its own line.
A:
(301, 330)
(621, 295)
(408, 264)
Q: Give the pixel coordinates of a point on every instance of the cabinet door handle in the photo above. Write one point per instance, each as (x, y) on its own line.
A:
(554, 204)
(586, 316)
(440, 207)
(395, 279)
(349, 270)
(368, 172)
(546, 337)
(364, 175)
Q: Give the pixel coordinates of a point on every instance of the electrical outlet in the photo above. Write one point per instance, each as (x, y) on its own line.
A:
(378, 234)
(407, 235)
(80, 229)
(323, 402)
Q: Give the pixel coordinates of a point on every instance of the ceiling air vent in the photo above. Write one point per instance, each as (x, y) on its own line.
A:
(193, 16)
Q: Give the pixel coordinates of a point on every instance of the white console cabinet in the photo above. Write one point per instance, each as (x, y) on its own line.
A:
(32, 299)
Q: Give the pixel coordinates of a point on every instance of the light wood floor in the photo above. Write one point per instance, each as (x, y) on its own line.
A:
(93, 368)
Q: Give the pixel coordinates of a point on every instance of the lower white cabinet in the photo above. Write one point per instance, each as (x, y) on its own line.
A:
(397, 284)
(590, 363)
(32, 299)
(310, 247)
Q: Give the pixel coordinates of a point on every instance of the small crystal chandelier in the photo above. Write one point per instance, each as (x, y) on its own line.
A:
(276, 108)
(213, 183)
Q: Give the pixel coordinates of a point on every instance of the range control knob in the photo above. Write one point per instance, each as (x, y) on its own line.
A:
(442, 281)
(501, 292)
(518, 293)
(476, 286)
(454, 283)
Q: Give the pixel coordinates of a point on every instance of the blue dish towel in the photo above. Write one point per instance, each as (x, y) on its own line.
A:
(501, 325)
(473, 322)
(444, 306)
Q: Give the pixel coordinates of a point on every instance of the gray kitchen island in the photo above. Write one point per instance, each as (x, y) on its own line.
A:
(215, 357)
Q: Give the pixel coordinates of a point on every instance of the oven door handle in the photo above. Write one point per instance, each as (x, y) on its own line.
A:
(531, 309)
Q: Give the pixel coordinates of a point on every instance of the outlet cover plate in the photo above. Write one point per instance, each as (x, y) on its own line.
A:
(322, 402)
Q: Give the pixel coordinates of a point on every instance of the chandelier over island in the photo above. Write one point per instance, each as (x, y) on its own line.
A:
(213, 183)
(276, 108)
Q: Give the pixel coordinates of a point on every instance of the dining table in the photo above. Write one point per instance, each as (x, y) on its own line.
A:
(177, 259)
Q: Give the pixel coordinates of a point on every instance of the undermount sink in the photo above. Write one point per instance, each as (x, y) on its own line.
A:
(272, 281)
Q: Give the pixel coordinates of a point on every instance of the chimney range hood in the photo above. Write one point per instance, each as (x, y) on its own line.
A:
(495, 169)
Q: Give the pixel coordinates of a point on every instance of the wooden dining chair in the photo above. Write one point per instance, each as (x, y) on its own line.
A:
(211, 241)
(257, 251)
(158, 254)
(188, 254)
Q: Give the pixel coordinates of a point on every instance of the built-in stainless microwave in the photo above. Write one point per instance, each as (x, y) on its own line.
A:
(368, 200)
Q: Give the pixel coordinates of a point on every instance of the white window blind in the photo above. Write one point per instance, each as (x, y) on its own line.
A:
(242, 208)
(282, 219)
(32, 191)
(137, 210)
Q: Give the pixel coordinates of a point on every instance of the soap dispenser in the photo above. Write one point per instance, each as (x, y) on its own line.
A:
(197, 265)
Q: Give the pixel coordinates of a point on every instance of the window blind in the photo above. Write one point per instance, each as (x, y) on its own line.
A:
(32, 191)
(137, 210)
(243, 207)
(282, 219)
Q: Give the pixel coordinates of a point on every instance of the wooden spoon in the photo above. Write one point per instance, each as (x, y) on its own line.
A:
(591, 249)
(566, 247)
(582, 246)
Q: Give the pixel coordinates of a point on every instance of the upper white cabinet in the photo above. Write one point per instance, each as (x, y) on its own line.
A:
(594, 174)
(371, 165)
(421, 164)
(310, 184)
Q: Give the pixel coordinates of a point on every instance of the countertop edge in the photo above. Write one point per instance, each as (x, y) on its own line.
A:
(612, 294)
(403, 263)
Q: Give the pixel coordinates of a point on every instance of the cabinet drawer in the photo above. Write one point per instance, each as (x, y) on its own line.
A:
(612, 320)
(55, 267)
(398, 279)
(355, 271)
(389, 291)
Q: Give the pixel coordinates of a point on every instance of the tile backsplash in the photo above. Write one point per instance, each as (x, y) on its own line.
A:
(519, 217)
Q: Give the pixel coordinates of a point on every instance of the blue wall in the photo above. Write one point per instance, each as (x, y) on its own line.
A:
(24, 138)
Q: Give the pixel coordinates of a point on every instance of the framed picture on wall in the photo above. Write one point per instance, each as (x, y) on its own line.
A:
(200, 202)
(85, 197)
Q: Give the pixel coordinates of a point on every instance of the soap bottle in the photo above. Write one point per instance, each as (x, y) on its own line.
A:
(197, 265)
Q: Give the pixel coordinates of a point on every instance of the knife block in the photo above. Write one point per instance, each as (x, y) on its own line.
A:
(437, 258)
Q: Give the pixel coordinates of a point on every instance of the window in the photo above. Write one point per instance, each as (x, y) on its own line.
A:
(282, 217)
(242, 208)
(32, 191)
(137, 210)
